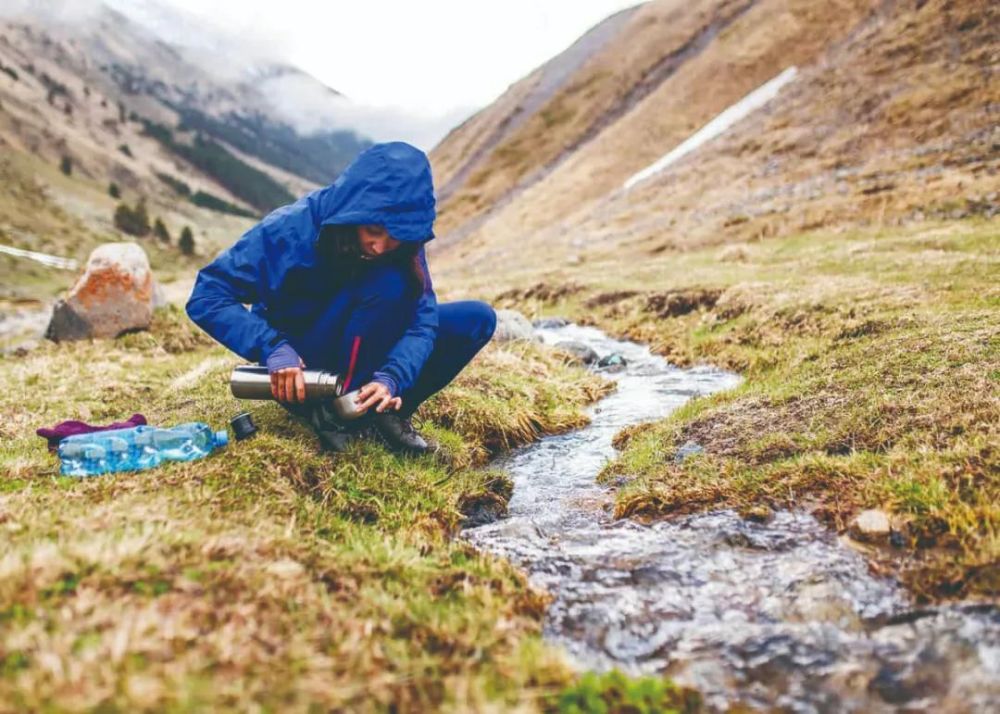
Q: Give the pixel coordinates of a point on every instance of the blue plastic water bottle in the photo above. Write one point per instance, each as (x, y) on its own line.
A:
(187, 442)
(141, 447)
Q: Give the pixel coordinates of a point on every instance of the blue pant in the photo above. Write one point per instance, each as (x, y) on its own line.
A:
(378, 307)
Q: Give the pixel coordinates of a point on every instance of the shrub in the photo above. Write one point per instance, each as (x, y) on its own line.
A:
(160, 230)
(133, 220)
(186, 241)
(66, 165)
(114, 191)
(124, 148)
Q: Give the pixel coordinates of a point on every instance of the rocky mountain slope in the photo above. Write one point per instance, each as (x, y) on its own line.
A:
(892, 117)
(134, 76)
(98, 109)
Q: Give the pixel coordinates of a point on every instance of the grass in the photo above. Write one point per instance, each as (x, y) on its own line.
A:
(271, 576)
(872, 365)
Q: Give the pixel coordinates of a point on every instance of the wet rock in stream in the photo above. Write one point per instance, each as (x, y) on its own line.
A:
(613, 362)
(583, 353)
(548, 323)
(770, 612)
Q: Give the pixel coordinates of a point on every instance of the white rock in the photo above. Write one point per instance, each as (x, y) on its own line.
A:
(512, 325)
(115, 294)
(871, 526)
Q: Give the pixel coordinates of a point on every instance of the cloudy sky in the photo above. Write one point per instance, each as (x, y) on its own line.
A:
(428, 57)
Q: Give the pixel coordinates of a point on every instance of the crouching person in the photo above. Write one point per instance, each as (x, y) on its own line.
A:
(340, 277)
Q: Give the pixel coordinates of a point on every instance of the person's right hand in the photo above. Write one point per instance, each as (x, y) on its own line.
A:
(288, 385)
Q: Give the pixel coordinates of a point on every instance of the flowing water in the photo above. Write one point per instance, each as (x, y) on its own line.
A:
(776, 615)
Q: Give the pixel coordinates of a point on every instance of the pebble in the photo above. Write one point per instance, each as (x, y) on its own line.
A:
(871, 526)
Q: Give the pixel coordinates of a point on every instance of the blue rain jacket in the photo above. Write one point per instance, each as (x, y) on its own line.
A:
(275, 268)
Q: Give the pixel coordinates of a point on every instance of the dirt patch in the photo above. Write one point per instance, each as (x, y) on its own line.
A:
(609, 298)
(675, 303)
(544, 292)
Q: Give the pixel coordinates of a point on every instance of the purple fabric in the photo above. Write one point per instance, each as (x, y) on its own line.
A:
(71, 428)
(283, 357)
(387, 381)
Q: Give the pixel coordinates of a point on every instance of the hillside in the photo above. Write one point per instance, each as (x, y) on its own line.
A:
(838, 247)
(889, 119)
(97, 110)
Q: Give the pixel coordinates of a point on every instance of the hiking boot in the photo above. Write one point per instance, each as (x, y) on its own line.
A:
(399, 435)
(335, 441)
(333, 435)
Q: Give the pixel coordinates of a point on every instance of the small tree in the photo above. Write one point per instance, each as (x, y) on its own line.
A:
(66, 165)
(160, 230)
(114, 191)
(134, 221)
(186, 241)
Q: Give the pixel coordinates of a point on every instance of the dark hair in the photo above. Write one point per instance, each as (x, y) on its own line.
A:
(340, 244)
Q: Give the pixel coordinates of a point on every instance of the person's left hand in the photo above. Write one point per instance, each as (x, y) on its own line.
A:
(376, 394)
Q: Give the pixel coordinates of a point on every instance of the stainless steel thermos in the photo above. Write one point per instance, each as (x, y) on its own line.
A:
(253, 382)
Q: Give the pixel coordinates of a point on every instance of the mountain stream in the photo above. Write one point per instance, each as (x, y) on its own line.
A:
(772, 616)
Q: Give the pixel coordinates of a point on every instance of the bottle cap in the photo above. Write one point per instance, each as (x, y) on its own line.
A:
(243, 426)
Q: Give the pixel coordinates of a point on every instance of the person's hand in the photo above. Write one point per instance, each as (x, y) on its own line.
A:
(289, 384)
(376, 394)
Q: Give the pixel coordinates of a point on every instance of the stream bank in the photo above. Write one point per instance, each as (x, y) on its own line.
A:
(766, 615)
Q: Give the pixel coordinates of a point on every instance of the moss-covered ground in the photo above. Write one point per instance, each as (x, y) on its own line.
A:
(872, 365)
(270, 576)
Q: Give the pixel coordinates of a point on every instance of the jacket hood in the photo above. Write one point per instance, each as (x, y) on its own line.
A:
(388, 184)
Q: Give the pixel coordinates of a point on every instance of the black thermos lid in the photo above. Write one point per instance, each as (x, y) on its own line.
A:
(243, 426)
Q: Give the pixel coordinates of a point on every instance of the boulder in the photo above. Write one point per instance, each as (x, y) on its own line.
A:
(115, 294)
(871, 526)
(512, 325)
(578, 350)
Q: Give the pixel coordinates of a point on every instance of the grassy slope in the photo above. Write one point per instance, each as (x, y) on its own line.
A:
(268, 575)
(872, 364)
(43, 210)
